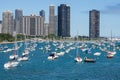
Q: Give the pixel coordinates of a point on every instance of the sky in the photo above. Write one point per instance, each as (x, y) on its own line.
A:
(109, 13)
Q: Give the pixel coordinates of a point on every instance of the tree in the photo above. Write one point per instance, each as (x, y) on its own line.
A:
(20, 37)
(51, 36)
(6, 37)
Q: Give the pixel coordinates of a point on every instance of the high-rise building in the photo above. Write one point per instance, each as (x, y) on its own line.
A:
(56, 25)
(18, 21)
(7, 22)
(64, 20)
(46, 25)
(42, 14)
(0, 26)
(94, 24)
(33, 25)
(51, 19)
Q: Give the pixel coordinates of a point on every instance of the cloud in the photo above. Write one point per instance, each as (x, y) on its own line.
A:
(112, 9)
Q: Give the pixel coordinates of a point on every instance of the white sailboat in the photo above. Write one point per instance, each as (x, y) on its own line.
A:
(60, 53)
(8, 50)
(97, 53)
(10, 64)
(24, 56)
(110, 54)
(52, 56)
(13, 58)
(15, 55)
(77, 58)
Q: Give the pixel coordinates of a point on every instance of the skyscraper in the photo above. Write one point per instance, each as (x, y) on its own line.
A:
(42, 14)
(8, 22)
(0, 26)
(46, 25)
(51, 19)
(64, 20)
(94, 24)
(56, 25)
(18, 21)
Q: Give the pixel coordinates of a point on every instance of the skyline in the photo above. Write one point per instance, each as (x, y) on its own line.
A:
(109, 13)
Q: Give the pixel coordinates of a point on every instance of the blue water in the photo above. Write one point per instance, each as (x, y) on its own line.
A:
(38, 67)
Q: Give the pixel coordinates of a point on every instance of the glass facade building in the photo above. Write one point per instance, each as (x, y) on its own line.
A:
(18, 21)
(64, 20)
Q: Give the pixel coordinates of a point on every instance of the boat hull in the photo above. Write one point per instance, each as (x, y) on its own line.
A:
(23, 59)
(90, 61)
(10, 64)
(78, 59)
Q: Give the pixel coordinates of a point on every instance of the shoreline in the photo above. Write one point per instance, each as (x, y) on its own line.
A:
(9, 42)
(6, 42)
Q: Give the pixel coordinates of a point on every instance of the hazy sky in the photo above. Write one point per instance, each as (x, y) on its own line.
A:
(109, 13)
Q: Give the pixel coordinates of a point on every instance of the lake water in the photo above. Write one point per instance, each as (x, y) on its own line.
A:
(38, 67)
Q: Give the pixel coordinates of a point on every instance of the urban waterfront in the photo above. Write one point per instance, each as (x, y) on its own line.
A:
(38, 67)
(59, 40)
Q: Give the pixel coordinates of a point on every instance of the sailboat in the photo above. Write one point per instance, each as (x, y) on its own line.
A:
(52, 56)
(24, 56)
(86, 59)
(13, 58)
(77, 58)
(110, 54)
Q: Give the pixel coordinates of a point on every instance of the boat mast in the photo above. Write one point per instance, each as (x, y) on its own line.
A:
(77, 45)
(15, 43)
(111, 35)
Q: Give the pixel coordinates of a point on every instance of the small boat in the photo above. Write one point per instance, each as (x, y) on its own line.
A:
(23, 58)
(52, 56)
(13, 58)
(89, 60)
(84, 49)
(78, 59)
(5, 47)
(68, 50)
(10, 64)
(113, 53)
(8, 50)
(26, 52)
(97, 54)
(60, 53)
(110, 54)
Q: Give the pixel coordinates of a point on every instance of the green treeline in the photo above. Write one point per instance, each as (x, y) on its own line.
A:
(10, 38)
(6, 37)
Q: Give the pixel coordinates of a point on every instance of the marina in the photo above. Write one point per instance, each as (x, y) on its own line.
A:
(60, 40)
(37, 65)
